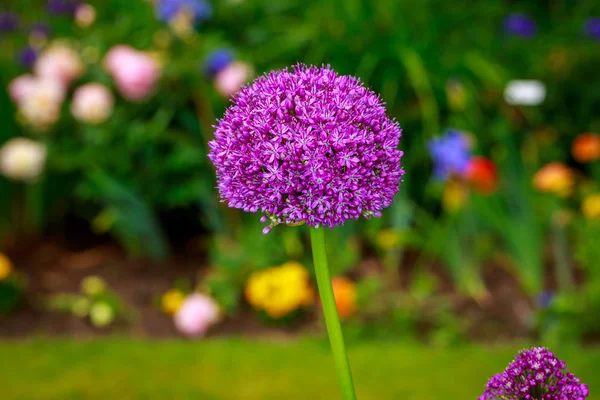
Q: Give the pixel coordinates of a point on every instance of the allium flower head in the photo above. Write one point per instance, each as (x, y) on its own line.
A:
(520, 25)
(450, 153)
(535, 374)
(307, 145)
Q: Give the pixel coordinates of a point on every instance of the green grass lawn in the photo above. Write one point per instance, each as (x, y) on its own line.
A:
(239, 369)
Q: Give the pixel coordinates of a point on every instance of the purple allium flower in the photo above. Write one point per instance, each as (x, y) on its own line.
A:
(535, 374)
(307, 145)
(27, 56)
(166, 10)
(41, 28)
(9, 21)
(592, 27)
(450, 153)
(217, 61)
(520, 25)
(62, 7)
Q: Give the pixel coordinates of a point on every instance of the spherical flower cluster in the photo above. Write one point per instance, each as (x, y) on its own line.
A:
(6, 267)
(451, 153)
(307, 145)
(279, 291)
(92, 103)
(520, 25)
(167, 10)
(197, 313)
(135, 72)
(22, 159)
(535, 374)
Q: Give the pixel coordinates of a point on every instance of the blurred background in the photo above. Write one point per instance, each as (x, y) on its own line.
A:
(111, 227)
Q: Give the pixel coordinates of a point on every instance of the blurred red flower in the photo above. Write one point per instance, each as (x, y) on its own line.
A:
(482, 174)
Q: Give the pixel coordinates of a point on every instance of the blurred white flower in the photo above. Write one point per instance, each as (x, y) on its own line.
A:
(41, 106)
(22, 159)
(92, 103)
(525, 92)
(60, 63)
(21, 87)
(197, 313)
(231, 78)
(85, 15)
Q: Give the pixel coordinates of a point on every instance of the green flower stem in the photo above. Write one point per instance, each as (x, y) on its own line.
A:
(332, 319)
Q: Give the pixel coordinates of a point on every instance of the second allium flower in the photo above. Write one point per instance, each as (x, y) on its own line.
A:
(307, 145)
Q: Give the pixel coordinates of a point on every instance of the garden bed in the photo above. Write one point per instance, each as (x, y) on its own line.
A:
(57, 265)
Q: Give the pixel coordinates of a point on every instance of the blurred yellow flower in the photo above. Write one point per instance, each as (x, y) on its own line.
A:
(591, 206)
(455, 195)
(6, 266)
(93, 285)
(280, 290)
(554, 178)
(171, 301)
(387, 239)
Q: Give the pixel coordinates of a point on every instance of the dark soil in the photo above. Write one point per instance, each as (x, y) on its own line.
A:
(57, 266)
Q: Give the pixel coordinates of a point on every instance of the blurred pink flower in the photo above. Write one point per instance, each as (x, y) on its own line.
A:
(92, 103)
(231, 78)
(85, 15)
(135, 72)
(42, 103)
(20, 87)
(59, 63)
(197, 313)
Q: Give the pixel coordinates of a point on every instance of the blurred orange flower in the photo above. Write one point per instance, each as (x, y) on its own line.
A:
(554, 178)
(481, 173)
(6, 266)
(344, 291)
(586, 147)
(591, 206)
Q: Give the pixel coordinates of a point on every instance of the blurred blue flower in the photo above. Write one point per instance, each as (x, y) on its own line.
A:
(166, 10)
(592, 27)
(9, 21)
(41, 28)
(450, 153)
(217, 61)
(544, 299)
(62, 7)
(27, 57)
(520, 25)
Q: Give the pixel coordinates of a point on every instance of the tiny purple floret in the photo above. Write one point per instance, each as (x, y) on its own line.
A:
(307, 145)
